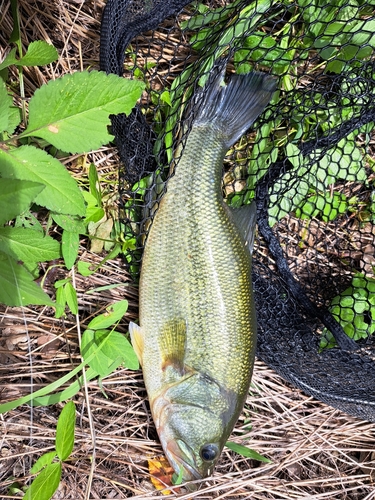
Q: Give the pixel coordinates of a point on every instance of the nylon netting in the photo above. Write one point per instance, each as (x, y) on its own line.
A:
(309, 164)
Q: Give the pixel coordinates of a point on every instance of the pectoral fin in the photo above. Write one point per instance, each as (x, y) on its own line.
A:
(245, 220)
(137, 338)
(172, 343)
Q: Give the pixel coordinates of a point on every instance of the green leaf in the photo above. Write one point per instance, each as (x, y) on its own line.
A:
(117, 346)
(100, 362)
(37, 395)
(60, 302)
(65, 431)
(14, 119)
(71, 297)
(84, 268)
(94, 214)
(42, 461)
(69, 247)
(114, 350)
(16, 196)
(44, 485)
(44, 396)
(61, 193)
(27, 245)
(72, 112)
(67, 393)
(39, 53)
(114, 313)
(70, 223)
(17, 285)
(15, 35)
(6, 103)
(94, 184)
(9, 60)
(246, 452)
(28, 220)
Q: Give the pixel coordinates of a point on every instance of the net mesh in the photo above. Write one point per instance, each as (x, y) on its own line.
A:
(308, 163)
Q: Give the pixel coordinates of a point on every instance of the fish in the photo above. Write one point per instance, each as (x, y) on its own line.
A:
(196, 336)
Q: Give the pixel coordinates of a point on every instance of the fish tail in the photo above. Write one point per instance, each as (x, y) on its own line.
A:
(233, 107)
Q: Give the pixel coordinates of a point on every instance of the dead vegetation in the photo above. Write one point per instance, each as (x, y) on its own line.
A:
(316, 452)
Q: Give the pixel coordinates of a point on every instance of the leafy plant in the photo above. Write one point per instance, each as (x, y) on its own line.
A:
(49, 466)
(354, 309)
(246, 452)
(102, 349)
(32, 179)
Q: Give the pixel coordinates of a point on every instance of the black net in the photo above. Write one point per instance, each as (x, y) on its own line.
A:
(309, 164)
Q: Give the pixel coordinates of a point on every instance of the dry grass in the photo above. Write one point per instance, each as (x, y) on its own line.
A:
(316, 451)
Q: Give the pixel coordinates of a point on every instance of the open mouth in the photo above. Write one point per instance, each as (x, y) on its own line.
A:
(180, 456)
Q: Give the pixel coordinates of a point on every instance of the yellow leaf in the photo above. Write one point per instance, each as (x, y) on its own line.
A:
(161, 474)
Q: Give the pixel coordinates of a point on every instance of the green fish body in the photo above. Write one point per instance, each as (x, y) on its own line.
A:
(197, 334)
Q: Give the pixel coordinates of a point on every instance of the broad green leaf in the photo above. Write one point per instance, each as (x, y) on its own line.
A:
(15, 35)
(16, 196)
(60, 302)
(69, 247)
(9, 59)
(27, 245)
(28, 220)
(94, 214)
(65, 431)
(94, 184)
(72, 112)
(61, 283)
(14, 119)
(42, 461)
(6, 103)
(246, 452)
(17, 285)
(116, 347)
(71, 297)
(70, 223)
(114, 313)
(39, 53)
(61, 193)
(100, 362)
(84, 268)
(45, 484)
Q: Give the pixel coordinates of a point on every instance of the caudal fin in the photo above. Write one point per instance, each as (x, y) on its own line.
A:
(233, 107)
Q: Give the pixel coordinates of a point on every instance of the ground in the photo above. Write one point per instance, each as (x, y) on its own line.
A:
(315, 451)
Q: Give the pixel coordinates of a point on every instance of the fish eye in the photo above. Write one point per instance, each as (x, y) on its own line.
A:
(209, 452)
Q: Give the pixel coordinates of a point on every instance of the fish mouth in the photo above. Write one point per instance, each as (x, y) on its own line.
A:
(180, 457)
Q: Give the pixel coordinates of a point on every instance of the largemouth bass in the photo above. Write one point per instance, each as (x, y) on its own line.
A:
(197, 334)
